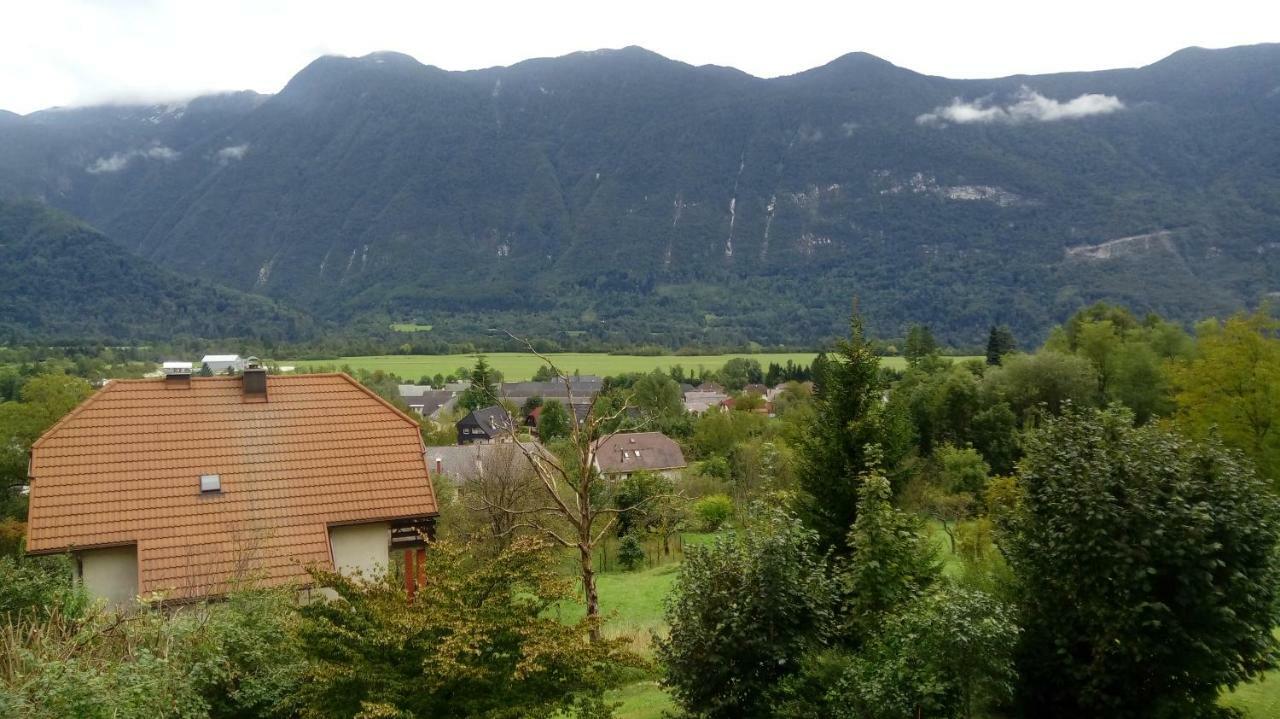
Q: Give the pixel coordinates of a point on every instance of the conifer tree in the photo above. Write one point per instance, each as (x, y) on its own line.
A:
(849, 415)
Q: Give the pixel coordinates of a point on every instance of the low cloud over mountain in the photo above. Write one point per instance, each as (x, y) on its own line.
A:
(1028, 106)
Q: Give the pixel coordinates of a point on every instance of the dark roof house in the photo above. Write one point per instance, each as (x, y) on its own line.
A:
(490, 424)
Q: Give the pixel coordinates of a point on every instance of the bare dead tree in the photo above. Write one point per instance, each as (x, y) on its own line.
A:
(572, 512)
(492, 489)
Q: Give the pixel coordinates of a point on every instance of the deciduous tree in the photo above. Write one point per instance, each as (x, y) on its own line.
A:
(1147, 569)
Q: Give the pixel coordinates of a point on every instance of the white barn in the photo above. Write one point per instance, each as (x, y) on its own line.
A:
(218, 364)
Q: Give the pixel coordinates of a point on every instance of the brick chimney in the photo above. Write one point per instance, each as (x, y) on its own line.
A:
(254, 380)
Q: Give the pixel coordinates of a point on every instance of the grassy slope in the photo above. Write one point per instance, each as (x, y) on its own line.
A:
(516, 366)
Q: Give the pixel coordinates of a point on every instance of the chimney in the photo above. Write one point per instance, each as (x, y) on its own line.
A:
(254, 380)
(177, 374)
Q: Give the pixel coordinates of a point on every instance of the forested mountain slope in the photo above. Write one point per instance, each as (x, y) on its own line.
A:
(61, 280)
(629, 196)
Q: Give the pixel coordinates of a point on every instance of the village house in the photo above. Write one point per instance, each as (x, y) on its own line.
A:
(185, 487)
(460, 463)
(427, 402)
(619, 455)
(484, 426)
(584, 389)
(699, 401)
(219, 364)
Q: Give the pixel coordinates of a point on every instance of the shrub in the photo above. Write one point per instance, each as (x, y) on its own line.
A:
(713, 511)
(1148, 570)
(40, 586)
(947, 654)
(477, 641)
(229, 659)
(630, 553)
(743, 613)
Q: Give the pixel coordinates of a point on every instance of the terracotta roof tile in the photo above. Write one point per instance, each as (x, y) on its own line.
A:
(124, 468)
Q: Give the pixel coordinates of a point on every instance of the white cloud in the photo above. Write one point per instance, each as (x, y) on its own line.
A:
(1029, 105)
(120, 160)
(234, 152)
(114, 163)
(160, 152)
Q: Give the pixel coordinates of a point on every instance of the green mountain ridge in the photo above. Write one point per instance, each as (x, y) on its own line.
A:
(62, 280)
(639, 199)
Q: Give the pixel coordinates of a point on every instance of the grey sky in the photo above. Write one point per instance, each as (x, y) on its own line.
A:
(73, 52)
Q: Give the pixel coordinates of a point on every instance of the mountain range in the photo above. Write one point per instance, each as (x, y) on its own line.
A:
(636, 199)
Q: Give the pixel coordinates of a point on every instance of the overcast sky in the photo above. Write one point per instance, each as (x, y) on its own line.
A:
(75, 52)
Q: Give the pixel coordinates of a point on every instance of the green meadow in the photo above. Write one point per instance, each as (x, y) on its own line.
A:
(517, 366)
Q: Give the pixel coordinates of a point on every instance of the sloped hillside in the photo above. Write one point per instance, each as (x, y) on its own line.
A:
(61, 280)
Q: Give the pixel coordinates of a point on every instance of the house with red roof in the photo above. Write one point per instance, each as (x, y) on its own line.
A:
(187, 487)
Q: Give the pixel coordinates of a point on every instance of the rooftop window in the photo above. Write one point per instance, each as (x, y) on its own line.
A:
(210, 483)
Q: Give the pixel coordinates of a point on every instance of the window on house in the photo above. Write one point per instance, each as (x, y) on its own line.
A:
(210, 483)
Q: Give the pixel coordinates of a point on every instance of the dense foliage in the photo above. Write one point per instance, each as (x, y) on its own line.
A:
(743, 612)
(62, 280)
(848, 418)
(476, 641)
(1147, 570)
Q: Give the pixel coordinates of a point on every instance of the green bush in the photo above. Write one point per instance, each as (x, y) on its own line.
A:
(630, 553)
(39, 586)
(713, 511)
(743, 613)
(229, 660)
(479, 640)
(947, 654)
(1147, 567)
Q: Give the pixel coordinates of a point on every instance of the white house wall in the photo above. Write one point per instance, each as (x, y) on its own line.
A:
(110, 574)
(361, 548)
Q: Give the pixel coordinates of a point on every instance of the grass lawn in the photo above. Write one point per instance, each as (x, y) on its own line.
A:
(632, 604)
(518, 366)
(1259, 700)
(642, 700)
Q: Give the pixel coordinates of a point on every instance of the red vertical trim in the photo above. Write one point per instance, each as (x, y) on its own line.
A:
(422, 567)
(409, 584)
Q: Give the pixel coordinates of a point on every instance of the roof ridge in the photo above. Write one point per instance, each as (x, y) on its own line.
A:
(412, 422)
(53, 428)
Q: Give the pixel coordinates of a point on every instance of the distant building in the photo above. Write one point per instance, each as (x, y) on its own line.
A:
(484, 426)
(622, 454)
(219, 364)
(426, 402)
(459, 463)
(699, 401)
(584, 389)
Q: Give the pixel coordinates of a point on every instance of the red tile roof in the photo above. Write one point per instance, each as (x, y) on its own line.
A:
(124, 468)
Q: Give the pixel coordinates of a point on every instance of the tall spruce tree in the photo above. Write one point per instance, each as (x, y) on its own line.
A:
(483, 391)
(848, 417)
(1000, 343)
(920, 344)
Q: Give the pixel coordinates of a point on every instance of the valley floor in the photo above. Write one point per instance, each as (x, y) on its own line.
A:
(519, 366)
